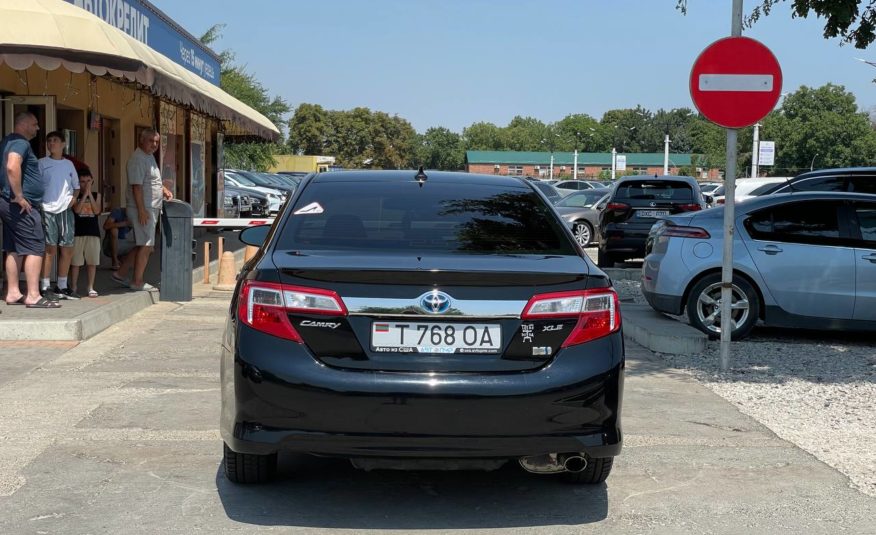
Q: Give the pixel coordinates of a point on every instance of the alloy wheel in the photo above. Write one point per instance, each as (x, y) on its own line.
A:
(709, 307)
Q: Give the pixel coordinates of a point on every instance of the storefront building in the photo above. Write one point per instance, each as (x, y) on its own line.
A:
(101, 71)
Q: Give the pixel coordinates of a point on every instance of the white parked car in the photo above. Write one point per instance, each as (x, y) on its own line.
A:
(747, 188)
(276, 198)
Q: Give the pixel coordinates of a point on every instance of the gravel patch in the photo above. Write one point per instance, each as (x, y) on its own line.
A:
(814, 389)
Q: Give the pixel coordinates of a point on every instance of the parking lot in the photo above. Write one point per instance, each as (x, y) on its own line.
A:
(816, 389)
(119, 434)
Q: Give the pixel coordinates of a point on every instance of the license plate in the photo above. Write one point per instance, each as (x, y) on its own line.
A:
(448, 338)
(652, 213)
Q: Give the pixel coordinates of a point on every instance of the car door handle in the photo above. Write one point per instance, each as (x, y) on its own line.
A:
(871, 257)
(770, 249)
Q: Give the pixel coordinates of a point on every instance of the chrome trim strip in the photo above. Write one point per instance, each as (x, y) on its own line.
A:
(405, 308)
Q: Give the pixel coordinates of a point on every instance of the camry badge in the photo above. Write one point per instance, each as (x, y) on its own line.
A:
(435, 302)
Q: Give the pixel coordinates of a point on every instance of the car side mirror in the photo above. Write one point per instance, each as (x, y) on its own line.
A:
(256, 235)
(708, 198)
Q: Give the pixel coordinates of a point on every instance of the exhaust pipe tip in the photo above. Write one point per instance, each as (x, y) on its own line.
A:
(574, 463)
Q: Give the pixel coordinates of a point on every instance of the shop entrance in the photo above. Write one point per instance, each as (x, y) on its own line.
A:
(44, 110)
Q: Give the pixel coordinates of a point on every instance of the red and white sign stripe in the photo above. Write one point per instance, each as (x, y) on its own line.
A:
(234, 223)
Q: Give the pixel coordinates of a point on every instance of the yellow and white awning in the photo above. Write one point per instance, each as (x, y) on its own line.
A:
(54, 34)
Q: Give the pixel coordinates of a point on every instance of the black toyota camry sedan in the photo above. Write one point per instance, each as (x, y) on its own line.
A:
(421, 320)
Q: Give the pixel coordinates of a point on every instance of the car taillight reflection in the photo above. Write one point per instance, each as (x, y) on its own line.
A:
(692, 207)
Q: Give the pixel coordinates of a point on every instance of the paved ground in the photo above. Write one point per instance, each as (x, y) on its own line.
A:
(118, 435)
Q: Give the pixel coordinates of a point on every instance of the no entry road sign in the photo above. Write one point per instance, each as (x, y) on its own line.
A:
(735, 82)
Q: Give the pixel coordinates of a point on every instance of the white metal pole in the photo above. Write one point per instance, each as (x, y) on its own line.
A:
(755, 150)
(575, 170)
(613, 162)
(666, 155)
(729, 217)
(552, 166)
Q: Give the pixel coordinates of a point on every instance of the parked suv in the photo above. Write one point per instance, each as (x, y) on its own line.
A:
(634, 205)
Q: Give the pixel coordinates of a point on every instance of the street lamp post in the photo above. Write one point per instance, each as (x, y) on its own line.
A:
(812, 163)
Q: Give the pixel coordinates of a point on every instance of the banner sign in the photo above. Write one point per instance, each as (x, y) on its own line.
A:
(145, 23)
(621, 162)
(766, 153)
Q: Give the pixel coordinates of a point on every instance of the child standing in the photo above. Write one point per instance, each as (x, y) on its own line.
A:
(86, 244)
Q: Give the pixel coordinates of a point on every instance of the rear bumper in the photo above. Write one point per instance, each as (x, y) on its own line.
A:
(625, 240)
(671, 304)
(276, 399)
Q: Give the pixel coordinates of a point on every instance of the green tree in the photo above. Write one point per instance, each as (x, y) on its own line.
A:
(530, 134)
(243, 86)
(630, 130)
(581, 132)
(820, 128)
(846, 19)
(439, 148)
(484, 136)
(309, 128)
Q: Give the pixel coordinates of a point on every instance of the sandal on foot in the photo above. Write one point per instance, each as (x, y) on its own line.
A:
(92, 293)
(19, 301)
(44, 303)
(123, 282)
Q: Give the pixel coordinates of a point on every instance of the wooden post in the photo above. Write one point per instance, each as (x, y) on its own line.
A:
(207, 245)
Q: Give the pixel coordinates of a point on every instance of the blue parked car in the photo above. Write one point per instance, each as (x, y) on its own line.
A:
(805, 260)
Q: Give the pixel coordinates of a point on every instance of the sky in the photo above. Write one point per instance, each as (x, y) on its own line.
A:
(452, 63)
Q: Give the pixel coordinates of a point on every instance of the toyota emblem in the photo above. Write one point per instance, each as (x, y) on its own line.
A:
(435, 302)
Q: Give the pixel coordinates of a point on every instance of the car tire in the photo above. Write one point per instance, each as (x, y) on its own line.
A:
(249, 468)
(603, 259)
(597, 471)
(702, 303)
(583, 232)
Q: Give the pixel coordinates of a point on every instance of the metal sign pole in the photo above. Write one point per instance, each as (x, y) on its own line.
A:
(729, 216)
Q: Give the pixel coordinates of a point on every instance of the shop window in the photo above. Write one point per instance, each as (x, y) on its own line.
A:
(515, 169)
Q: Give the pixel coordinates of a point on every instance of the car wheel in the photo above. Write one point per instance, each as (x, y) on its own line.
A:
(597, 471)
(704, 306)
(603, 259)
(249, 467)
(583, 233)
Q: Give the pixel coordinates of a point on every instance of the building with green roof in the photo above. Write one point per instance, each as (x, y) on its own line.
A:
(590, 164)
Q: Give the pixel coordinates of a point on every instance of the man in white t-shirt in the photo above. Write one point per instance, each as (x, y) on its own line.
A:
(61, 183)
(146, 196)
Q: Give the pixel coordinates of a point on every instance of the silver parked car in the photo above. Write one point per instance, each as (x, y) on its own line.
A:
(805, 260)
(579, 210)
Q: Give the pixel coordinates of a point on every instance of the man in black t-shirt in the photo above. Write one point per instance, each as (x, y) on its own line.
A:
(21, 192)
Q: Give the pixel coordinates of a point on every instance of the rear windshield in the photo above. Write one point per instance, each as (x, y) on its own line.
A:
(582, 199)
(668, 190)
(760, 190)
(437, 217)
(548, 190)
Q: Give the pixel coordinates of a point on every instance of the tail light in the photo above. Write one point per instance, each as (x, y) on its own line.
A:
(618, 206)
(684, 232)
(692, 207)
(598, 312)
(719, 201)
(265, 306)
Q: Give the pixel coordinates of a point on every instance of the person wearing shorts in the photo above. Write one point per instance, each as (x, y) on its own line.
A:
(61, 183)
(86, 244)
(145, 196)
(21, 192)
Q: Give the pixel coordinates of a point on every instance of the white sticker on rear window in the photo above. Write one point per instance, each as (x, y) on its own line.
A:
(312, 208)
